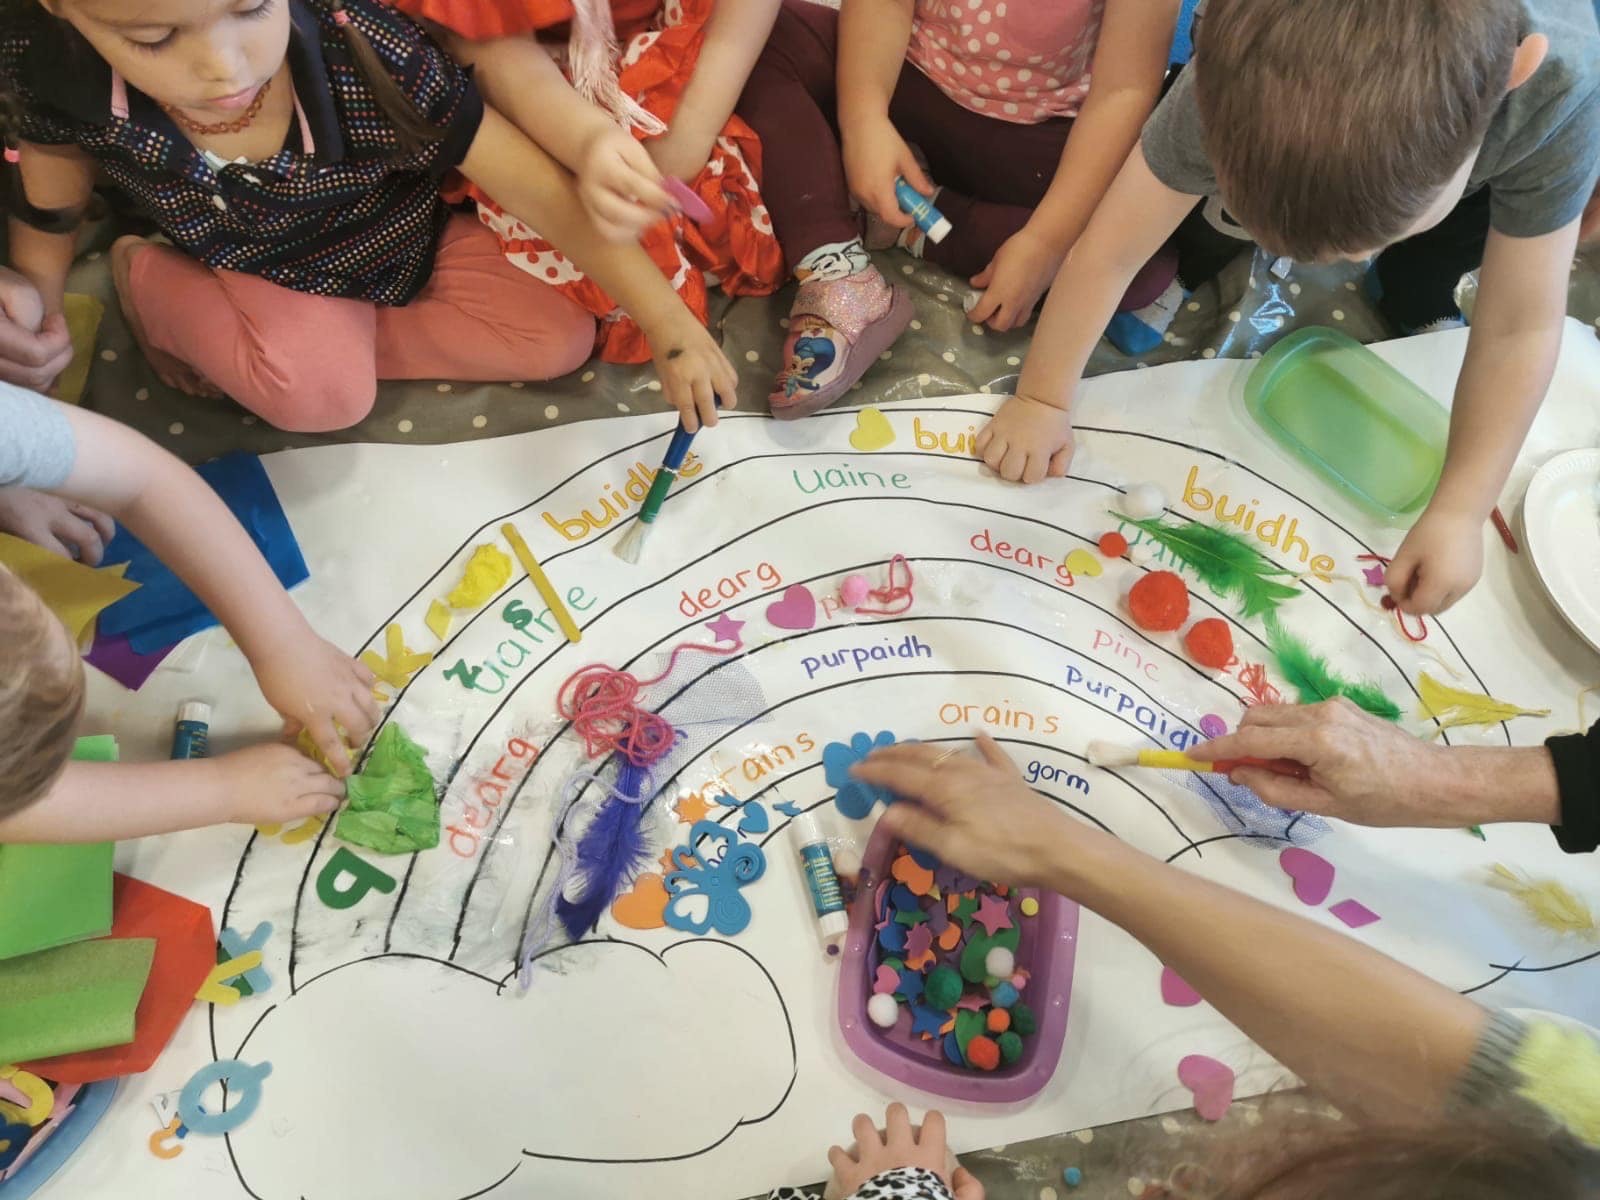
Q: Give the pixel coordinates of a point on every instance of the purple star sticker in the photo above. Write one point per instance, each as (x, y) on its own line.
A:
(726, 629)
(992, 914)
(918, 942)
(1375, 574)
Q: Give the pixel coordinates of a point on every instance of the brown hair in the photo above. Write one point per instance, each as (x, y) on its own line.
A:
(412, 129)
(1301, 1155)
(41, 695)
(1334, 124)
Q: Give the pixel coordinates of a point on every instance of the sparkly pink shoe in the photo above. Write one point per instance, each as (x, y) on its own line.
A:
(837, 329)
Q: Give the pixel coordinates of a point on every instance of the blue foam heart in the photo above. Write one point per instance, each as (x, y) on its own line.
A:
(754, 820)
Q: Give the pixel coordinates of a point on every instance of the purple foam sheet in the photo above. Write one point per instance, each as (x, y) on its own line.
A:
(1047, 951)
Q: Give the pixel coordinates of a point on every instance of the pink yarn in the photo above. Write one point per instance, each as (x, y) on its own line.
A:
(896, 598)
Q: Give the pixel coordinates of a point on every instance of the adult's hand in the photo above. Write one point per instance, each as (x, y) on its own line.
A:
(1363, 769)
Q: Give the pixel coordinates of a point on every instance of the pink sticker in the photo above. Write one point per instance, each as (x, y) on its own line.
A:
(1175, 991)
(1354, 913)
(1312, 874)
(693, 207)
(888, 981)
(1211, 1083)
(797, 609)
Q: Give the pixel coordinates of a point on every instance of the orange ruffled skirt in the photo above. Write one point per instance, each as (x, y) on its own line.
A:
(736, 248)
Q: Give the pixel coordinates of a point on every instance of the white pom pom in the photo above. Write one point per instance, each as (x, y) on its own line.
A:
(884, 1010)
(1143, 501)
(1000, 963)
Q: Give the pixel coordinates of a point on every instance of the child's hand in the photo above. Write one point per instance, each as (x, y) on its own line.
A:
(275, 784)
(34, 348)
(1438, 563)
(694, 372)
(874, 155)
(1027, 440)
(677, 153)
(899, 1145)
(620, 186)
(317, 687)
(72, 530)
(1014, 280)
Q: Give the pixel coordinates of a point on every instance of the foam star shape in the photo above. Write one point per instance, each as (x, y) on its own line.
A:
(692, 808)
(927, 1020)
(1374, 574)
(726, 629)
(992, 915)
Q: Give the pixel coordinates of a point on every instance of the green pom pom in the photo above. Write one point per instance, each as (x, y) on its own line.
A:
(1010, 1046)
(943, 988)
(1023, 1020)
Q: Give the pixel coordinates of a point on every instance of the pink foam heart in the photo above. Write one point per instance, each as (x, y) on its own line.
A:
(888, 980)
(1175, 991)
(797, 609)
(1210, 1082)
(1354, 913)
(1312, 874)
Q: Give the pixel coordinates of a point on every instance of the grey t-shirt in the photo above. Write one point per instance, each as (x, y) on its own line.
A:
(1540, 158)
(37, 449)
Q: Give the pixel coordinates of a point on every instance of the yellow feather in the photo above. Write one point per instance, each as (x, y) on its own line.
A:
(1547, 902)
(1452, 706)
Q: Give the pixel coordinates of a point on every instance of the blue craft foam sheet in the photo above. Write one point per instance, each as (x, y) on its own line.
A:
(164, 611)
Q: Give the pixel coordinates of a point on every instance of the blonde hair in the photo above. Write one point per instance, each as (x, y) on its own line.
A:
(41, 695)
(1334, 124)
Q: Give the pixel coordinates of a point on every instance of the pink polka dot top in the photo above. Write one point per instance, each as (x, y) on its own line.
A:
(1023, 61)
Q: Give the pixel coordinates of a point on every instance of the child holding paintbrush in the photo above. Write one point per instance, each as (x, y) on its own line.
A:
(68, 452)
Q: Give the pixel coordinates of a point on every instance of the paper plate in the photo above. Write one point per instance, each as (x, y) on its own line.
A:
(1561, 524)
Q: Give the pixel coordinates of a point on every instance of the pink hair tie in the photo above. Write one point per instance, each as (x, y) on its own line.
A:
(340, 17)
(13, 155)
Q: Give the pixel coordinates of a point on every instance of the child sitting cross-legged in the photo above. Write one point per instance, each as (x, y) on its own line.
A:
(313, 685)
(291, 152)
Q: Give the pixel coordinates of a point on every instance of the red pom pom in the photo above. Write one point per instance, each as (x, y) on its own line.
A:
(1113, 544)
(999, 1020)
(1159, 602)
(1210, 643)
(983, 1053)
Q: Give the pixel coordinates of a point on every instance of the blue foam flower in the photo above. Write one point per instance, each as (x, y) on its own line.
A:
(854, 798)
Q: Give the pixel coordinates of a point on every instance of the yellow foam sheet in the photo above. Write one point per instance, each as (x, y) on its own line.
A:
(75, 593)
(83, 315)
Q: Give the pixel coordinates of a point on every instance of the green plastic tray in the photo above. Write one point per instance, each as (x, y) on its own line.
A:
(1350, 417)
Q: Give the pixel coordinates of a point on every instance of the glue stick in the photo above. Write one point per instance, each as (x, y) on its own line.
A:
(191, 735)
(921, 210)
(822, 883)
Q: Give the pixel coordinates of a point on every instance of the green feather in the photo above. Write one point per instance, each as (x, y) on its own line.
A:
(1310, 676)
(1225, 561)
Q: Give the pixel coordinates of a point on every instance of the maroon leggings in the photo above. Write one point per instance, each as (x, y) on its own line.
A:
(992, 173)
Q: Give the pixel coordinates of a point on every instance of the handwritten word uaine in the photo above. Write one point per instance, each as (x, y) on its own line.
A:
(1281, 532)
(729, 587)
(488, 675)
(963, 445)
(910, 646)
(614, 502)
(1057, 573)
(812, 480)
(489, 792)
(1147, 716)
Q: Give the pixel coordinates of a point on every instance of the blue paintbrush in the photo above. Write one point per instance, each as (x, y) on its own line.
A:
(632, 544)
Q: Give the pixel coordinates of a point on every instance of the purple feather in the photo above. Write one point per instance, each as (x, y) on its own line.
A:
(610, 855)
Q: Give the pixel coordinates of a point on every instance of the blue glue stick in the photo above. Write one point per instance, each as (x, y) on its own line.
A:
(921, 210)
(192, 734)
(822, 884)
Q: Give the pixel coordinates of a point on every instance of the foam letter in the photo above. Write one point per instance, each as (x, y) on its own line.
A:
(364, 877)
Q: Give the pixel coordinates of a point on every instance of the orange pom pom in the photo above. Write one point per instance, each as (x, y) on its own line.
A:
(1113, 544)
(999, 1020)
(1210, 643)
(983, 1053)
(1159, 602)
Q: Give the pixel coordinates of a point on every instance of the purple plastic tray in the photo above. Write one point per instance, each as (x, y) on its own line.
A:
(1047, 951)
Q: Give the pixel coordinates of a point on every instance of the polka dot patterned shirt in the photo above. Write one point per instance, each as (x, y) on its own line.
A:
(1023, 61)
(339, 211)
